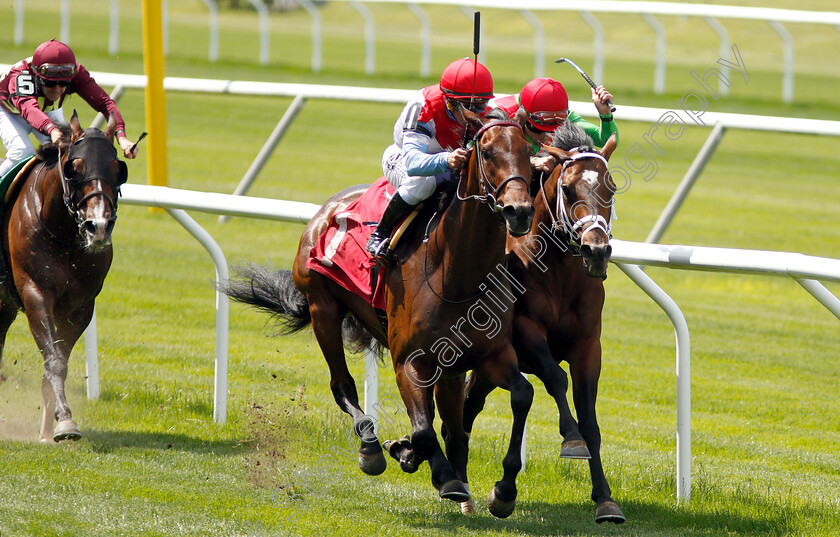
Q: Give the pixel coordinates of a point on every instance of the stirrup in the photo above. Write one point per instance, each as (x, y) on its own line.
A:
(378, 247)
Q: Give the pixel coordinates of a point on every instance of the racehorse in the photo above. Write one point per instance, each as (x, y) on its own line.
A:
(56, 239)
(561, 265)
(439, 317)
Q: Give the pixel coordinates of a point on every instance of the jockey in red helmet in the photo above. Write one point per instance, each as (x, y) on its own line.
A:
(545, 107)
(32, 94)
(427, 139)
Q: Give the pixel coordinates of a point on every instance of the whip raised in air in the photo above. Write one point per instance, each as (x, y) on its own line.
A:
(585, 77)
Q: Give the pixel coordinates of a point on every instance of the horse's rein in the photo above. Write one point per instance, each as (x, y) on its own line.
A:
(488, 197)
(565, 222)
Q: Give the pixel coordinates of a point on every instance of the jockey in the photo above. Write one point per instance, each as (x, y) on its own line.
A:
(32, 94)
(427, 140)
(546, 106)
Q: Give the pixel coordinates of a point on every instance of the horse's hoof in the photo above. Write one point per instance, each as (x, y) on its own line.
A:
(372, 464)
(66, 430)
(454, 490)
(499, 508)
(468, 507)
(609, 511)
(402, 451)
(574, 449)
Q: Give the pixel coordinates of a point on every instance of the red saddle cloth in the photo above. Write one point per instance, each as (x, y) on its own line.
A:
(340, 252)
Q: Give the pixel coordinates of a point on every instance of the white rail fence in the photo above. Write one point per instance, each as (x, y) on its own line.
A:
(646, 11)
(806, 270)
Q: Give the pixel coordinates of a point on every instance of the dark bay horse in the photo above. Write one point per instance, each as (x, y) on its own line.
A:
(561, 264)
(441, 318)
(56, 239)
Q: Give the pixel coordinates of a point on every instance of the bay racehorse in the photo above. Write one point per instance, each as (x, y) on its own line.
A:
(441, 318)
(56, 240)
(561, 264)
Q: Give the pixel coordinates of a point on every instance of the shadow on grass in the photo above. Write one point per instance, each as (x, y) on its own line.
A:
(103, 441)
(546, 519)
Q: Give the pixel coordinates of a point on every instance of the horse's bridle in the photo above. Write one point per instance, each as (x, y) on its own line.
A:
(74, 207)
(485, 197)
(489, 194)
(560, 219)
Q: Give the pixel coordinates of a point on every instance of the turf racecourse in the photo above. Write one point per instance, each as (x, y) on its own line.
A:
(766, 440)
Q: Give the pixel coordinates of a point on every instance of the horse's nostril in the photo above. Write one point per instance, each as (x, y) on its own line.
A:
(89, 226)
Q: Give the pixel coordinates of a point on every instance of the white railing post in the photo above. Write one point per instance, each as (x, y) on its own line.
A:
(18, 22)
(214, 29)
(222, 312)
(316, 33)
(539, 42)
(787, 82)
(723, 35)
(114, 33)
(597, 46)
(65, 21)
(264, 39)
(425, 39)
(683, 366)
(659, 71)
(370, 36)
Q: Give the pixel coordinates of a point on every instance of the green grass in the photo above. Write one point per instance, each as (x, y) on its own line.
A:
(764, 364)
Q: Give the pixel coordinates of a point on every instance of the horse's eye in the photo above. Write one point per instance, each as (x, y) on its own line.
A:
(568, 191)
(485, 154)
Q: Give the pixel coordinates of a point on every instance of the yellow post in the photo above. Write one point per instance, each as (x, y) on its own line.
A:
(154, 63)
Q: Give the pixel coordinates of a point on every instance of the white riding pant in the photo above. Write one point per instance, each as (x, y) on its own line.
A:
(14, 133)
(412, 188)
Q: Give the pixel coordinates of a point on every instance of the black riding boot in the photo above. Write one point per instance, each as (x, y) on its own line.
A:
(397, 208)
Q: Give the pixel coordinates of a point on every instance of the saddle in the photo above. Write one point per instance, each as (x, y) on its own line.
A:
(10, 185)
(340, 253)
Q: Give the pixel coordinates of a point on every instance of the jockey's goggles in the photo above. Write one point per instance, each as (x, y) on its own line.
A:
(548, 119)
(53, 83)
(56, 71)
(476, 106)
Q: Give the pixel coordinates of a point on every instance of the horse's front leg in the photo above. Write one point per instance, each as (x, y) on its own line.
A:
(8, 312)
(505, 374)
(416, 391)
(449, 396)
(585, 367)
(42, 325)
(533, 351)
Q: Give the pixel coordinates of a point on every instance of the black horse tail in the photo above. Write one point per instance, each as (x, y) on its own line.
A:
(272, 291)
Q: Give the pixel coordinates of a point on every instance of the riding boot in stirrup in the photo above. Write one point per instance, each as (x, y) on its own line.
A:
(379, 241)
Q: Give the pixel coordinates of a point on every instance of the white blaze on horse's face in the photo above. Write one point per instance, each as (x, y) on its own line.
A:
(591, 178)
(98, 222)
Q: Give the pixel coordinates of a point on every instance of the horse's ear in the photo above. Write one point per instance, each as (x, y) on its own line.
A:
(111, 128)
(558, 153)
(609, 147)
(75, 126)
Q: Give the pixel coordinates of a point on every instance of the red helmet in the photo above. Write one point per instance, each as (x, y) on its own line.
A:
(546, 103)
(457, 80)
(53, 60)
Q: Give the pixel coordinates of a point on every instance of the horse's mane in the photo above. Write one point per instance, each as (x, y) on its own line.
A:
(570, 135)
(48, 153)
(496, 114)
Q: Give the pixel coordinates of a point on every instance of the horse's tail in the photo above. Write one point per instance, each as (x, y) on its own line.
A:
(272, 291)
